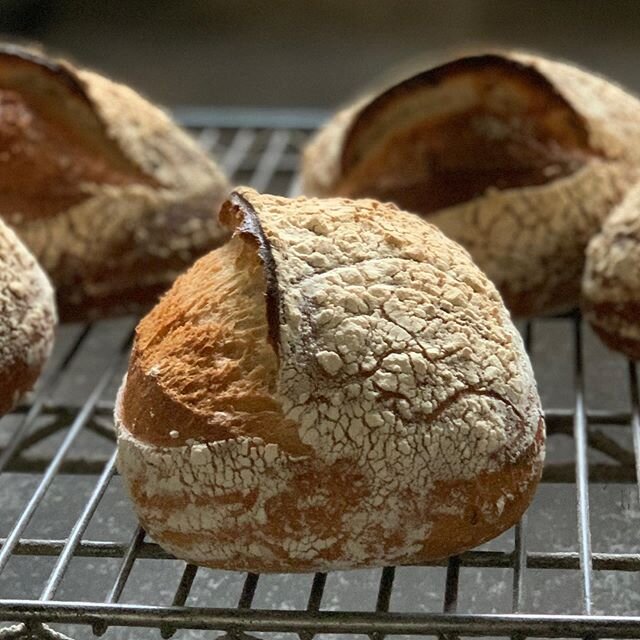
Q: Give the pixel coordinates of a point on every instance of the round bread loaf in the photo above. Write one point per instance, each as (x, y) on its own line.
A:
(27, 319)
(112, 198)
(518, 158)
(339, 386)
(611, 284)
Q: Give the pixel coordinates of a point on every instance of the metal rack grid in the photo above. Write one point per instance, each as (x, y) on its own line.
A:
(543, 579)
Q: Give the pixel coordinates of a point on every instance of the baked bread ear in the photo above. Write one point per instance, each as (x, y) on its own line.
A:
(27, 319)
(339, 386)
(611, 283)
(517, 157)
(110, 195)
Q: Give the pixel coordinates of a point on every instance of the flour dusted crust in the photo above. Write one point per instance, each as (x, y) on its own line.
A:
(611, 283)
(576, 133)
(120, 200)
(27, 319)
(339, 386)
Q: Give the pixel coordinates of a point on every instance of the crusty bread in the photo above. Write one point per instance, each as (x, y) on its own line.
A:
(27, 319)
(611, 283)
(518, 158)
(339, 386)
(113, 199)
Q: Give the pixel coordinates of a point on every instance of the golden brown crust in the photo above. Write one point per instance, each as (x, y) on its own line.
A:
(27, 319)
(119, 201)
(398, 422)
(518, 158)
(202, 356)
(611, 282)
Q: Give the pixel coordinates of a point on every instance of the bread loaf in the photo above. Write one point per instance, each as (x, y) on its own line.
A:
(517, 157)
(27, 319)
(611, 284)
(112, 198)
(339, 386)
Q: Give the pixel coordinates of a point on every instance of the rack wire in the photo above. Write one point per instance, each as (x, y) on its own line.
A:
(74, 561)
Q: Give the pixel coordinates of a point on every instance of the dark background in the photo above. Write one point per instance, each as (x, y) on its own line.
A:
(311, 53)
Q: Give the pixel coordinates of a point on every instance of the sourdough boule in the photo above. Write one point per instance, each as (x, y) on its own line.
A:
(338, 386)
(517, 157)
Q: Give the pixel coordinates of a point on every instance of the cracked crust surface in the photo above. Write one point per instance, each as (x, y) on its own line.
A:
(109, 194)
(611, 282)
(395, 419)
(27, 319)
(518, 158)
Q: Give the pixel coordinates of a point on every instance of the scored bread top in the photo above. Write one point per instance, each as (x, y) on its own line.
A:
(518, 158)
(382, 326)
(109, 194)
(108, 119)
(377, 325)
(588, 111)
(331, 388)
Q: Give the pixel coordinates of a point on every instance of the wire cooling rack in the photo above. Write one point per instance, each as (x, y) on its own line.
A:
(74, 562)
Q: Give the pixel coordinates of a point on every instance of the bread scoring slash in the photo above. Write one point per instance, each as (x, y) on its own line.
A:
(108, 193)
(339, 386)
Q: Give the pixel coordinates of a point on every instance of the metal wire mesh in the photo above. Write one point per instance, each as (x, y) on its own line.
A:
(72, 555)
